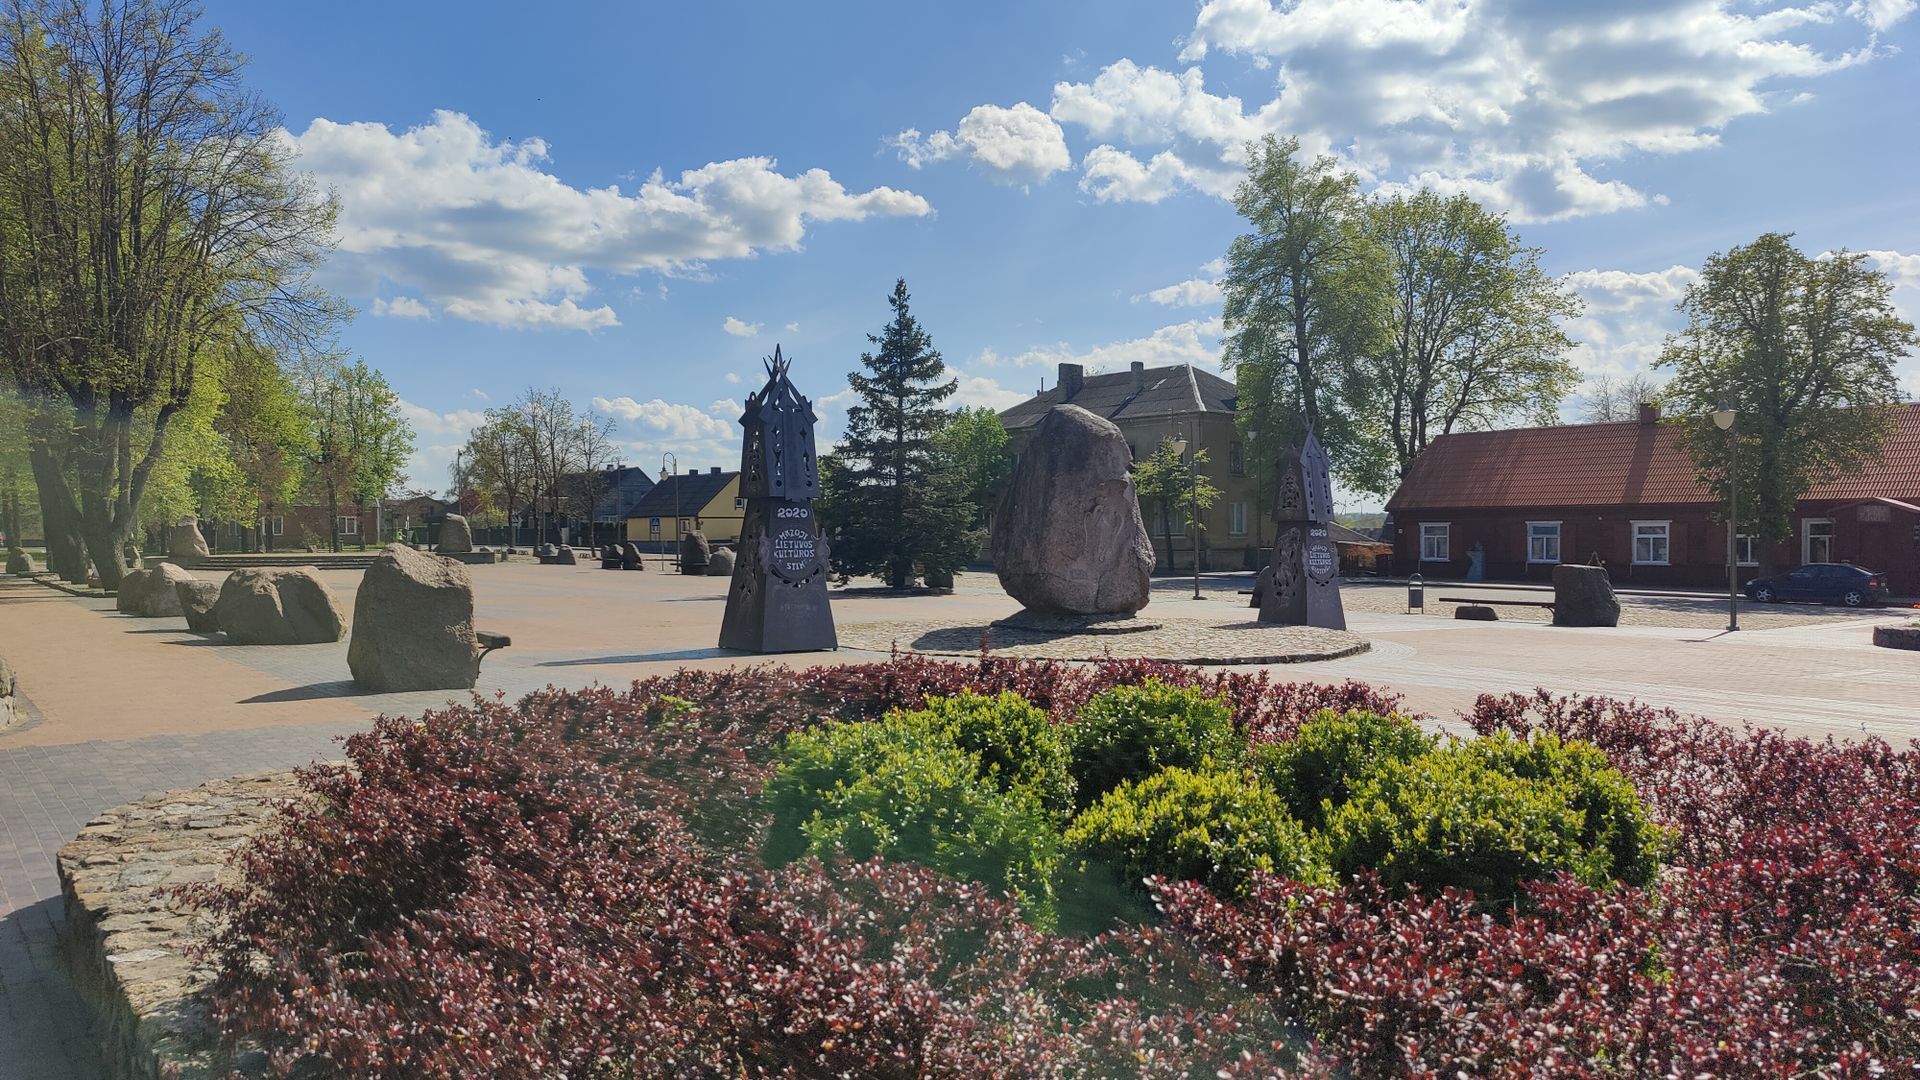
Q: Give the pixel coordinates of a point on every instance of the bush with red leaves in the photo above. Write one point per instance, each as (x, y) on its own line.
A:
(564, 887)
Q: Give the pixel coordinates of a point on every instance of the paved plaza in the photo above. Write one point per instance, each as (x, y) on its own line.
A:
(117, 707)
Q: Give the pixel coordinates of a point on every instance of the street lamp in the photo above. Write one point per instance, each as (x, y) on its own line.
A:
(1723, 417)
(1193, 507)
(664, 458)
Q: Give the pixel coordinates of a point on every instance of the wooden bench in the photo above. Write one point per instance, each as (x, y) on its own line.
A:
(490, 641)
(1482, 602)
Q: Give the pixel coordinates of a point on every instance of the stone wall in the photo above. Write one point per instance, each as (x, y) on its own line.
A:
(130, 937)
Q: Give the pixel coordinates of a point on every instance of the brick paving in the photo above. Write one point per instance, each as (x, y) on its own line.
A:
(1236, 640)
(116, 708)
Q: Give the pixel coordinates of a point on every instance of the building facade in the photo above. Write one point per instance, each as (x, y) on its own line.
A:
(1625, 495)
(1149, 404)
(683, 502)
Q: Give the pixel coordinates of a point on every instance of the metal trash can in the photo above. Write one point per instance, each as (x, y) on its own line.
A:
(1416, 595)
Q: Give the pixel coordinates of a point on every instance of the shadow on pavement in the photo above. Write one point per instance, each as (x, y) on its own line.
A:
(55, 1037)
(645, 658)
(339, 688)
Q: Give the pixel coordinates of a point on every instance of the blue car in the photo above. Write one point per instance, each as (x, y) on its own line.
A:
(1823, 583)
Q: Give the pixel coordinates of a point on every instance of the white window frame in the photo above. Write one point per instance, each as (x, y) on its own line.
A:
(1554, 536)
(1806, 540)
(1237, 519)
(1746, 548)
(349, 526)
(277, 525)
(1665, 536)
(1443, 530)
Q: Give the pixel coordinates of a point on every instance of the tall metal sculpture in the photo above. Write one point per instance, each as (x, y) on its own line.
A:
(1303, 580)
(777, 601)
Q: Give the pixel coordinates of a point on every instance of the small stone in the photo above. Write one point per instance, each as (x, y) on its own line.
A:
(138, 956)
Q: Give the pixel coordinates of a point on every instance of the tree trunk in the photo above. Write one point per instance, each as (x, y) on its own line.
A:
(59, 517)
(333, 518)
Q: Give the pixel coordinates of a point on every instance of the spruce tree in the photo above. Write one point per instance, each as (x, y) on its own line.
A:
(895, 506)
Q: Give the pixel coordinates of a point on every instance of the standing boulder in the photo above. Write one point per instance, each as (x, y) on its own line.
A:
(566, 556)
(19, 562)
(456, 536)
(694, 553)
(196, 603)
(1583, 596)
(1068, 539)
(158, 598)
(720, 562)
(131, 592)
(630, 557)
(278, 606)
(9, 709)
(610, 557)
(184, 542)
(413, 624)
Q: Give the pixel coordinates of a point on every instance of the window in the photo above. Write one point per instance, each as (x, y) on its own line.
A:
(1650, 543)
(1434, 537)
(233, 528)
(1237, 519)
(1543, 541)
(1236, 459)
(739, 503)
(349, 526)
(277, 525)
(1746, 548)
(1816, 540)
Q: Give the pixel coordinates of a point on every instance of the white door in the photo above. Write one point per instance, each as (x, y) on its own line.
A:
(1816, 541)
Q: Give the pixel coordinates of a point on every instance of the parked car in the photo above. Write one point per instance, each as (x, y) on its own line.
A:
(1825, 583)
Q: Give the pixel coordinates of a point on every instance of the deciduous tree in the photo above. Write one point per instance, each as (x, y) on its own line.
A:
(359, 438)
(1170, 480)
(1609, 398)
(975, 443)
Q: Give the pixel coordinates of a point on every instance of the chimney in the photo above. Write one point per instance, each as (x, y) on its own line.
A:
(715, 470)
(1072, 378)
(1649, 412)
(1139, 376)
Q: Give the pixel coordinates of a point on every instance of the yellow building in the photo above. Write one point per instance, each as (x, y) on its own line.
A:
(683, 502)
(1149, 404)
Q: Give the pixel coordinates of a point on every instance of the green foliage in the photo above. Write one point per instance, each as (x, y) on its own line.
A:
(1016, 742)
(1318, 770)
(1131, 732)
(901, 787)
(1173, 482)
(1215, 827)
(359, 439)
(1489, 814)
(975, 443)
(893, 506)
(1804, 348)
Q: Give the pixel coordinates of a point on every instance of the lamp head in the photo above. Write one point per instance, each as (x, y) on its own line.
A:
(1179, 444)
(1723, 415)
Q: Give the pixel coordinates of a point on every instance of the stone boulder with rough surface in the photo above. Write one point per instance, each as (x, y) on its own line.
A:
(130, 593)
(566, 556)
(19, 562)
(694, 553)
(196, 603)
(9, 709)
(278, 606)
(184, 541)
(413, 624)
(456, 536)
(1068, 538)
(1583, 596)
(158, 598)
(720, 562)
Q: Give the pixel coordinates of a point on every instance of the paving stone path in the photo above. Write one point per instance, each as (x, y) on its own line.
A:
(1238, 640)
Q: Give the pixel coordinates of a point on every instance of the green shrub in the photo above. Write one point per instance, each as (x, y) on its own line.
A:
(1614, 821)
(1489, 814)
(1318, 769)
(1215, 827)
(901, 788)
(1131, 732)
(1016, 742)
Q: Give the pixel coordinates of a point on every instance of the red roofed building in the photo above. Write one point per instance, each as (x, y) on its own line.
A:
(1624, 494)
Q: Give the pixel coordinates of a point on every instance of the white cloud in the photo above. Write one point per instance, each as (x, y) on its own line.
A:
(478, 394)
(401, 307)
(672, 420)
(976, 390)
(1193, 292)
(1195, 342)
(793, 328)
(1020, 145)
(1621, 290)
(732, 377)
(483, 231)
(740, 329)
(436, 437)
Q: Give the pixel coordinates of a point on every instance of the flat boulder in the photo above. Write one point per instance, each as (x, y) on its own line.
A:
(278, 606)
(720, 563)
(184, 541)
(196, 603)
(19, 562)
(1583, 596)
(456, 536)
(413, 624)
(1068, 539)
(158, 597)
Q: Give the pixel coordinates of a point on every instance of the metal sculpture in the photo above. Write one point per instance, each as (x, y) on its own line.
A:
(1304, 576)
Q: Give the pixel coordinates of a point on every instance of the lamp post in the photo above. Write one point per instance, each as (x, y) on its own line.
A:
(1723, 418)
(1193, 507)
(665, 456)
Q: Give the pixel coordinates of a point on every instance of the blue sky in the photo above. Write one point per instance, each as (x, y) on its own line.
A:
(635, 202)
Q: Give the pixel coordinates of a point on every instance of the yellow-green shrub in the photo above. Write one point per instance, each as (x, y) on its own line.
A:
(1131, 732)
(1318, 769)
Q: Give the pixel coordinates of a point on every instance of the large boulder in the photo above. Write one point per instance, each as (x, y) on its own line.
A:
(413, 624)
(1068, 539)
(630, 557)
(196, 603)
(694, 553)
(720, 562)
(131, 592)
(278, 606)
(1583, 596)
(610, 557)
(158, 597)
(456, 536)
(184, 542)
(19, 562)
(9, 709)
(566, 557)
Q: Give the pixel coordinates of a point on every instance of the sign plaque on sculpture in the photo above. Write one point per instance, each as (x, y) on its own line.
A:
(777, 600)
(1303, 580)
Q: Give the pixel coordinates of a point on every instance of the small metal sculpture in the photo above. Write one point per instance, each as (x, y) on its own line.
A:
(1305, 571)
(777, 601)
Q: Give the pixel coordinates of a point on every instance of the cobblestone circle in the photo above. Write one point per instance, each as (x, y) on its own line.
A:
(1192, 641)
(131, 937)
